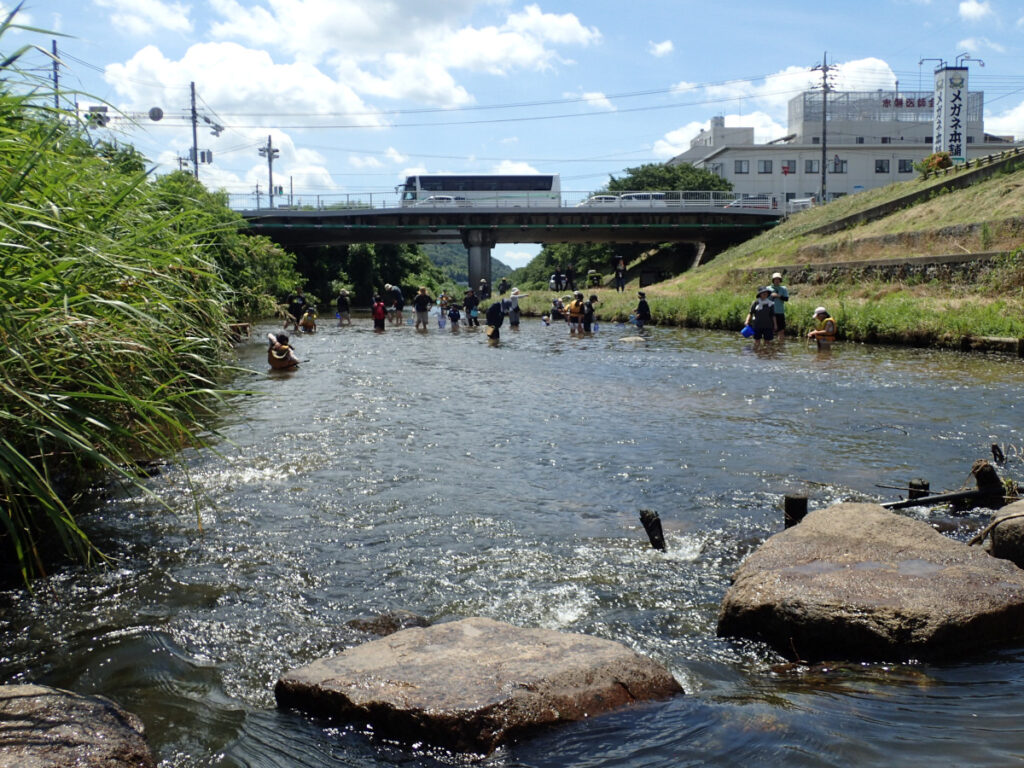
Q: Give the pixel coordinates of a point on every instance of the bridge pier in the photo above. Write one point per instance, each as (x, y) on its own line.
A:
(479, 243)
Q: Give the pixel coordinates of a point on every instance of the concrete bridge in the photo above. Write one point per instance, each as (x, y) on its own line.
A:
(711, 225)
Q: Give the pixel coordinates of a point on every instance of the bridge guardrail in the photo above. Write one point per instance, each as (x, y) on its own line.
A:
(638, 199)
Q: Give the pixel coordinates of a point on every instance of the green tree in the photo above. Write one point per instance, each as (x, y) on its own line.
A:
(659, 176)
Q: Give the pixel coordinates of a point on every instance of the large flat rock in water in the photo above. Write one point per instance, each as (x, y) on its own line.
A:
(474, 684)
(858, 582)
(44, 727)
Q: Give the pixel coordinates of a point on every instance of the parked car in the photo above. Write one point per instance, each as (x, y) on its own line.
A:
(649, 199)
(600, 200)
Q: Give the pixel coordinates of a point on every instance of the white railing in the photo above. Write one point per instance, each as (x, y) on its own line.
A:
(640, 199)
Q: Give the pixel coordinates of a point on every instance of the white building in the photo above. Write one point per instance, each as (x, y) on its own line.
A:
(872, 138)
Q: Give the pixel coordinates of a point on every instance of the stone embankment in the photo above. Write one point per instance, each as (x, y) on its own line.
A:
(44, 727)
(857, 582)
(474, 684)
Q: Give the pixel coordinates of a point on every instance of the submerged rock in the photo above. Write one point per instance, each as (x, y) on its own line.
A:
(389, 623)
(41, 726)
(474, 684)
(855, 581)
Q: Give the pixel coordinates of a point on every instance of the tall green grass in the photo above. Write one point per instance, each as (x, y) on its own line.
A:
(112, 323)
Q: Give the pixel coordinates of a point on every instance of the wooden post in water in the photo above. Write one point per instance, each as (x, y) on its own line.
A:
(652, 524)
(918, 488)
(794, 509)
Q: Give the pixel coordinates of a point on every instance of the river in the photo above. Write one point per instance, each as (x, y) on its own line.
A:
(437, 473)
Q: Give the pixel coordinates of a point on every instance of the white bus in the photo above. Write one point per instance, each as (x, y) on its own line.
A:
(504, 189)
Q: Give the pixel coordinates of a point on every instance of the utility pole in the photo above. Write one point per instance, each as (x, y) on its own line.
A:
(825, 69)
(270, 153)
(56, 77)
(195, 134)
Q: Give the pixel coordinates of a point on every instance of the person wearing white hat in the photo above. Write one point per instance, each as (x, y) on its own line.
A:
(780, 295)
(825, 328)
(513, 313)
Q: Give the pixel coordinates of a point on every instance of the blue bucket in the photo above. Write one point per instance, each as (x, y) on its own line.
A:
(747, 332)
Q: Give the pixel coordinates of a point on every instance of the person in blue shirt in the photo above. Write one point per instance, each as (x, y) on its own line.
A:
(780, 295)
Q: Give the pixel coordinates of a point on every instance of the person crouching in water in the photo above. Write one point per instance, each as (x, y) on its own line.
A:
(280, 355)
(495, 317)
(308, 321)
(825, 328)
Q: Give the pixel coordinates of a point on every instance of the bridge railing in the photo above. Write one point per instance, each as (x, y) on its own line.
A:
(639, 199)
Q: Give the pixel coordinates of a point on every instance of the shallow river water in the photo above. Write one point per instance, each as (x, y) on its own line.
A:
(443, 475)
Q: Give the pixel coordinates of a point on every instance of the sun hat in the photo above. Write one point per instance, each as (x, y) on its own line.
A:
(515, 291)
(777, 275)
(765, 289)
(820, 311)
(641, 294)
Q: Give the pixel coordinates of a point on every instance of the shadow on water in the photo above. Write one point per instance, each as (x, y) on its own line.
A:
(437, 473)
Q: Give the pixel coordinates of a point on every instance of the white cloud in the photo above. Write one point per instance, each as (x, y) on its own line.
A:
(351, 36)
(1009, 123)
(979, 44)
(513, 166)
(554, 28)
(678, 140)
(658, 50)
(143, 17)
(237, 80)
(593, 99)
(394, 155)
(516, 255)
(774, 92)
(974, 10)
(364, 161)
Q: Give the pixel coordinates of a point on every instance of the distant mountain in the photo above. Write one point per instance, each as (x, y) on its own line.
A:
(454, 262)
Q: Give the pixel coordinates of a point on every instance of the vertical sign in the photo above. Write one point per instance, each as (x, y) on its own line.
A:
(949, 134)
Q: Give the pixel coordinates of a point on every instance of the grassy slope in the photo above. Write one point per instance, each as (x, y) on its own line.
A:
(984, 217)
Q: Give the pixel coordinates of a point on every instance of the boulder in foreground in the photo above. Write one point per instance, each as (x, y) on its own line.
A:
(49, 727)
(474, 684)
(858, 582)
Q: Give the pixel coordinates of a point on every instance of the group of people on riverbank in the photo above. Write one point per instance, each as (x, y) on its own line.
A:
(766, 319)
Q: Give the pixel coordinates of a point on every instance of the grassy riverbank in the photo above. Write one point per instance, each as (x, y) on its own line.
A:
(927, 307)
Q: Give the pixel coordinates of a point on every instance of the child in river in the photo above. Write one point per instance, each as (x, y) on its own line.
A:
(280, 355)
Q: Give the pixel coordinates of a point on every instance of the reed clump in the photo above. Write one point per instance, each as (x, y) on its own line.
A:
(113, 323)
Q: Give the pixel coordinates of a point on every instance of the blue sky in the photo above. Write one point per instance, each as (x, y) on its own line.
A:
(357, 93)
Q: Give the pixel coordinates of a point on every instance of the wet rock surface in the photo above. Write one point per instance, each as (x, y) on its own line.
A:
(1008, 534)
(474, 684)
(389, 623)
(858, 582)
(47, 727)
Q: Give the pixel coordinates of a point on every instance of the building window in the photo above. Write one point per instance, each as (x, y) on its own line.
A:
(742, 166)
(886, 140)
(906, 166)
(815, 139)
(860, 139)
(927, 139)
(788, 166)
(764, 166)
(811, 166)
(881, 166)
(837, 166)
(970, 139)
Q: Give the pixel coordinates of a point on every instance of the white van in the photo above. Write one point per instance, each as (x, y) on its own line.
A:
(645, 199)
